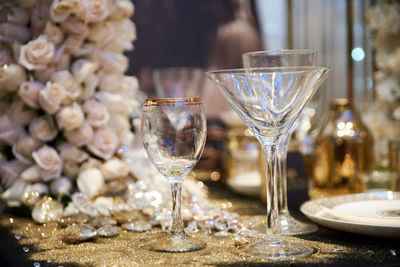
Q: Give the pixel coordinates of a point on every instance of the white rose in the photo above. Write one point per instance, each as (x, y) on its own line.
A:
(23, 148)
(110, 82)
(114, 168)
(31, 174)
(10, 171)
(43, 128)
(70, 169)
(61, 186)
(121, 9)
(93, 10)
(29, 93)
(61, 9)
(51, 97)
(113, 102)
(112, 62)
(124, 35)
(49, 162)
(104, 143)
(21, 113)
(101, 32)
(96, 113)
(12, 195)
(89, 87)
(396, 114)
(120, 123)
(73, 44)
(71, 87)
(39, 188)
(69, 152)
(85, 50)
(70, 117)
(11, 78)
(130, 85)
(83, 69)
(10, 130)
(80, 136)
(37, 54)
(10, 33)
(54, 33)
(90, 182)
(17, 15)
(74, 26)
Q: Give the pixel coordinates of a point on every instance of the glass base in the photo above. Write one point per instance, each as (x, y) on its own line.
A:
(277, 249)
(177, 243)
(291, 226)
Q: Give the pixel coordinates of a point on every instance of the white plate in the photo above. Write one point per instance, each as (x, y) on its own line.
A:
(373, 214)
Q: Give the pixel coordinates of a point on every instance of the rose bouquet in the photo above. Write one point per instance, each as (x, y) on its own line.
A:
(65, 101)
(384, 21)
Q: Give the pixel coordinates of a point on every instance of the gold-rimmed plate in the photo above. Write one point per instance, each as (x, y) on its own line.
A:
(372, 214)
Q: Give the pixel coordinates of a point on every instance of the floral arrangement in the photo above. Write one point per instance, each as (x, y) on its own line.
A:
(384, 20)
(65, 101)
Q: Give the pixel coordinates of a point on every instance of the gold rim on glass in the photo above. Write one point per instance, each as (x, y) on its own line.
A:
(172, 101)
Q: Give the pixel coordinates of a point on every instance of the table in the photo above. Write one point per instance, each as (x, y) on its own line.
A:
(334, 248)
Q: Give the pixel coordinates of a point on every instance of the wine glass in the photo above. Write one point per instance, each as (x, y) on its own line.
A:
(269, 100)
(174, 133)
(284, 58)
(178, 81)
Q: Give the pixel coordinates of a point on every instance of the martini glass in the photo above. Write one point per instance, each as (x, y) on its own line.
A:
(174, 133)
(284, 58)
(269, 100)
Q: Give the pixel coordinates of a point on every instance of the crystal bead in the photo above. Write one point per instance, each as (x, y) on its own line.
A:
(138, 226)
(101, 221)
(108, 231)
(125, 216)
(78, 233)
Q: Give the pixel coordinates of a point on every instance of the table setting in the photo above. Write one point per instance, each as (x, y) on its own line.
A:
(95, 172)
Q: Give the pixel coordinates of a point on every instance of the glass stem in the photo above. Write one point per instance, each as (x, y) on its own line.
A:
(282, 179)
(271, 168)
(177, 224)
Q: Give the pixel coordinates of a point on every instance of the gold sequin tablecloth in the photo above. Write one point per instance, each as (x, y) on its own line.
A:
(40, 245)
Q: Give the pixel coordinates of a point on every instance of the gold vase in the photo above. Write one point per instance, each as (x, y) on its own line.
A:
(343, 150)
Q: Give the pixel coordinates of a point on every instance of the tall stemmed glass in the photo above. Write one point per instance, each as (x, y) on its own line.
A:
(284, 58)
(174, 133)
(269, 100)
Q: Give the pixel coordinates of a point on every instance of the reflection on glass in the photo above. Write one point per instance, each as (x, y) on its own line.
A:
(174, 134)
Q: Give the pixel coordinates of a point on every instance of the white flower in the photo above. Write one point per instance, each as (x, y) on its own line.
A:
(110, 82)
(93, 10)
(130, 85)
(54, 33)
(21, 113)
(104, 143)
(69, 152)
(45, 74)
(23, 148)
(61, 9)
(71, 88)
(101, 32)
(114, 168)
(29, 93)
(113, 102)
(70, 117)
(83, 69)
(89, 87)
(80, 136)
(396, 114)
(90, 181)
(388, 89)
(31, 175)
(127, 138)
(385, 17)
(16, 15)
(121, 9)
(49, 162)
(10, 171)
(112, 62)
(73, 44)
(51, 97)
(10, 130)
(75, 26)
(96, 113)
(63, 62)
(124, 35)
(43, 128)
(61, 186)
(39, 188)
(37, 54)
(13, 194)
(13, 33)
(12, 77)
(120, 123)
